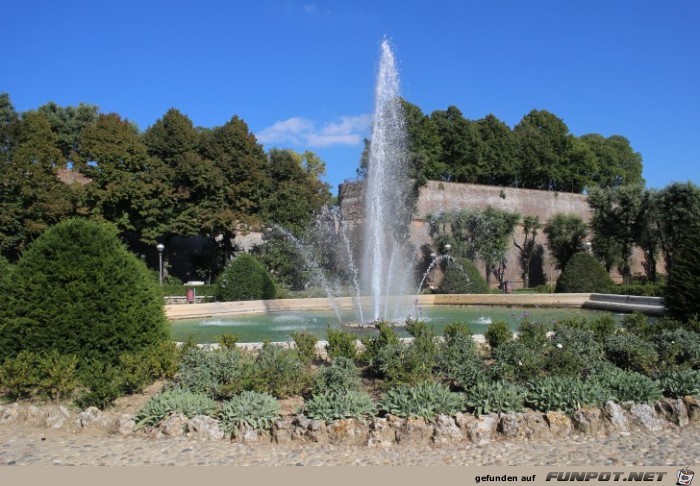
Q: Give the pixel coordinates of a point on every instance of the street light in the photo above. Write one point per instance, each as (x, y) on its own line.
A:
(160, 247)
(589, 246)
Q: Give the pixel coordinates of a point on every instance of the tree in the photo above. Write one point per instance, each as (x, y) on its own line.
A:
(497, 152)
(425, 151)
(245, 278)
(617, 163)
(462, 277)
(68, 124)
(129, 188)
(543, 147)
(681, 294)
(459, 143)
(78, 290)
(617, 222)
(678, 212)
(531, 225)
(565, 236)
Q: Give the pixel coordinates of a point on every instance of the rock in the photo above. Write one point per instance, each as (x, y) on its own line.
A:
(560, 424)
(125, 425)
(91, 417)
(381, 433)
(481, 430)
(348, 432)
(644, 416)
(588, 420)
(445, 431)
(174, 425)
(309, 430)
(32, 415)
(523, 426)
(282, 431)
(692, 404)
(615, 415)
(204, 427)
(673, 410)
(9, 413)
(414, 431)
(246, 434)
(56, 417)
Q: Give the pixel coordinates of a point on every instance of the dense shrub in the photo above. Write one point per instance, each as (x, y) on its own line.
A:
(46, 375)
(103, 382)
(494, 397)
(639, 324)
(280, 372)
(458, 361)
(572, 351)
(583, 273)
(218, 374)
(516, 362)
(254, 409)
(335, 405)
(341, 375)
(681, 295)
(647, 289)
(427, 399)
(630, 352)
(602, 326)
(564, 393)
(372, 345)
(227, 341)
(78, 290)
(678, 349)
(533, 334)
(341, 344)
(245, 278)
(305, 345)
(5, 276)
(161, 405)
(462, 277)
(498, 333)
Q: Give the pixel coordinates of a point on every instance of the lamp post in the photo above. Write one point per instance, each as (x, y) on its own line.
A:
(160, 247)
(589, 247)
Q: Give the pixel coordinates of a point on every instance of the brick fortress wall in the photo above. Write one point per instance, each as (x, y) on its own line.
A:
(436, 197)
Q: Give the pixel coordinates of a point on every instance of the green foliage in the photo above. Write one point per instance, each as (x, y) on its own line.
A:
(458, 361)
(398, 362)
(305, 345)
(584, 274)
(565, 236)
(219, 374)
(183, 401)
(678, 349)
(79, 291)
(46, 375)
(341, 375)
(140, 368)
(678, 384)
(244, 278)
(426, 399)
(646, 289)
(228, 341)
(564, 393)
(572, 352)
(280, 372)
(497, 334)
(103, 382)
(533, 334)
(627, 386)
(681, 297)
(462, 277)
(678, 207)
(630, 352)
(5, 276)
(494, 397)
(639, 324)
(516, 362)
(335, 405)
(374, 344)
(254, 409)
(341, 344)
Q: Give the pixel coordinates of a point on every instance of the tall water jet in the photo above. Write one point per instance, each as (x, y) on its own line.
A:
(387, 269)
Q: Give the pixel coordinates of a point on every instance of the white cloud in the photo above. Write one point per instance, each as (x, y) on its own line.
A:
(347, 130)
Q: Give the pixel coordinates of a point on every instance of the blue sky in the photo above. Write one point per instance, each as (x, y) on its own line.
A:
(301, 73)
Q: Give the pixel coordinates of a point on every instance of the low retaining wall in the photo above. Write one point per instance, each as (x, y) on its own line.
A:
(667, 414)
(626, 303)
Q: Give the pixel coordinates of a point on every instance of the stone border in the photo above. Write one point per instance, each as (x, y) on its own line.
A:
(666, 414)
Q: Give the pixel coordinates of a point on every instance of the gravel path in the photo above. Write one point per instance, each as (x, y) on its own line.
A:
(32, 446)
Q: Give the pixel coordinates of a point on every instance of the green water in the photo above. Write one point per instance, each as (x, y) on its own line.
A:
(280, 326)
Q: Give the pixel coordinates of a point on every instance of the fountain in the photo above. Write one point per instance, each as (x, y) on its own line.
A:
(387, 270)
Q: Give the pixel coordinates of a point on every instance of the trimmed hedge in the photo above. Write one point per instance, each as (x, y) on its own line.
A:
(245, 278)
(78, 290)
(583, 273)
(462, 277)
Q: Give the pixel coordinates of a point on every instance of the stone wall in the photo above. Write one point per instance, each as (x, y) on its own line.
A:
(436, 197)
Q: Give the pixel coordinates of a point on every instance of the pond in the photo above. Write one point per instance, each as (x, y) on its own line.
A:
(281, 326)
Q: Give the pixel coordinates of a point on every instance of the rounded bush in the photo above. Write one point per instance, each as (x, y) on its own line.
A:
(584, 274)
(462, 277)
(245, 278)
(78, 290)
(498, 333)
(254, 409)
